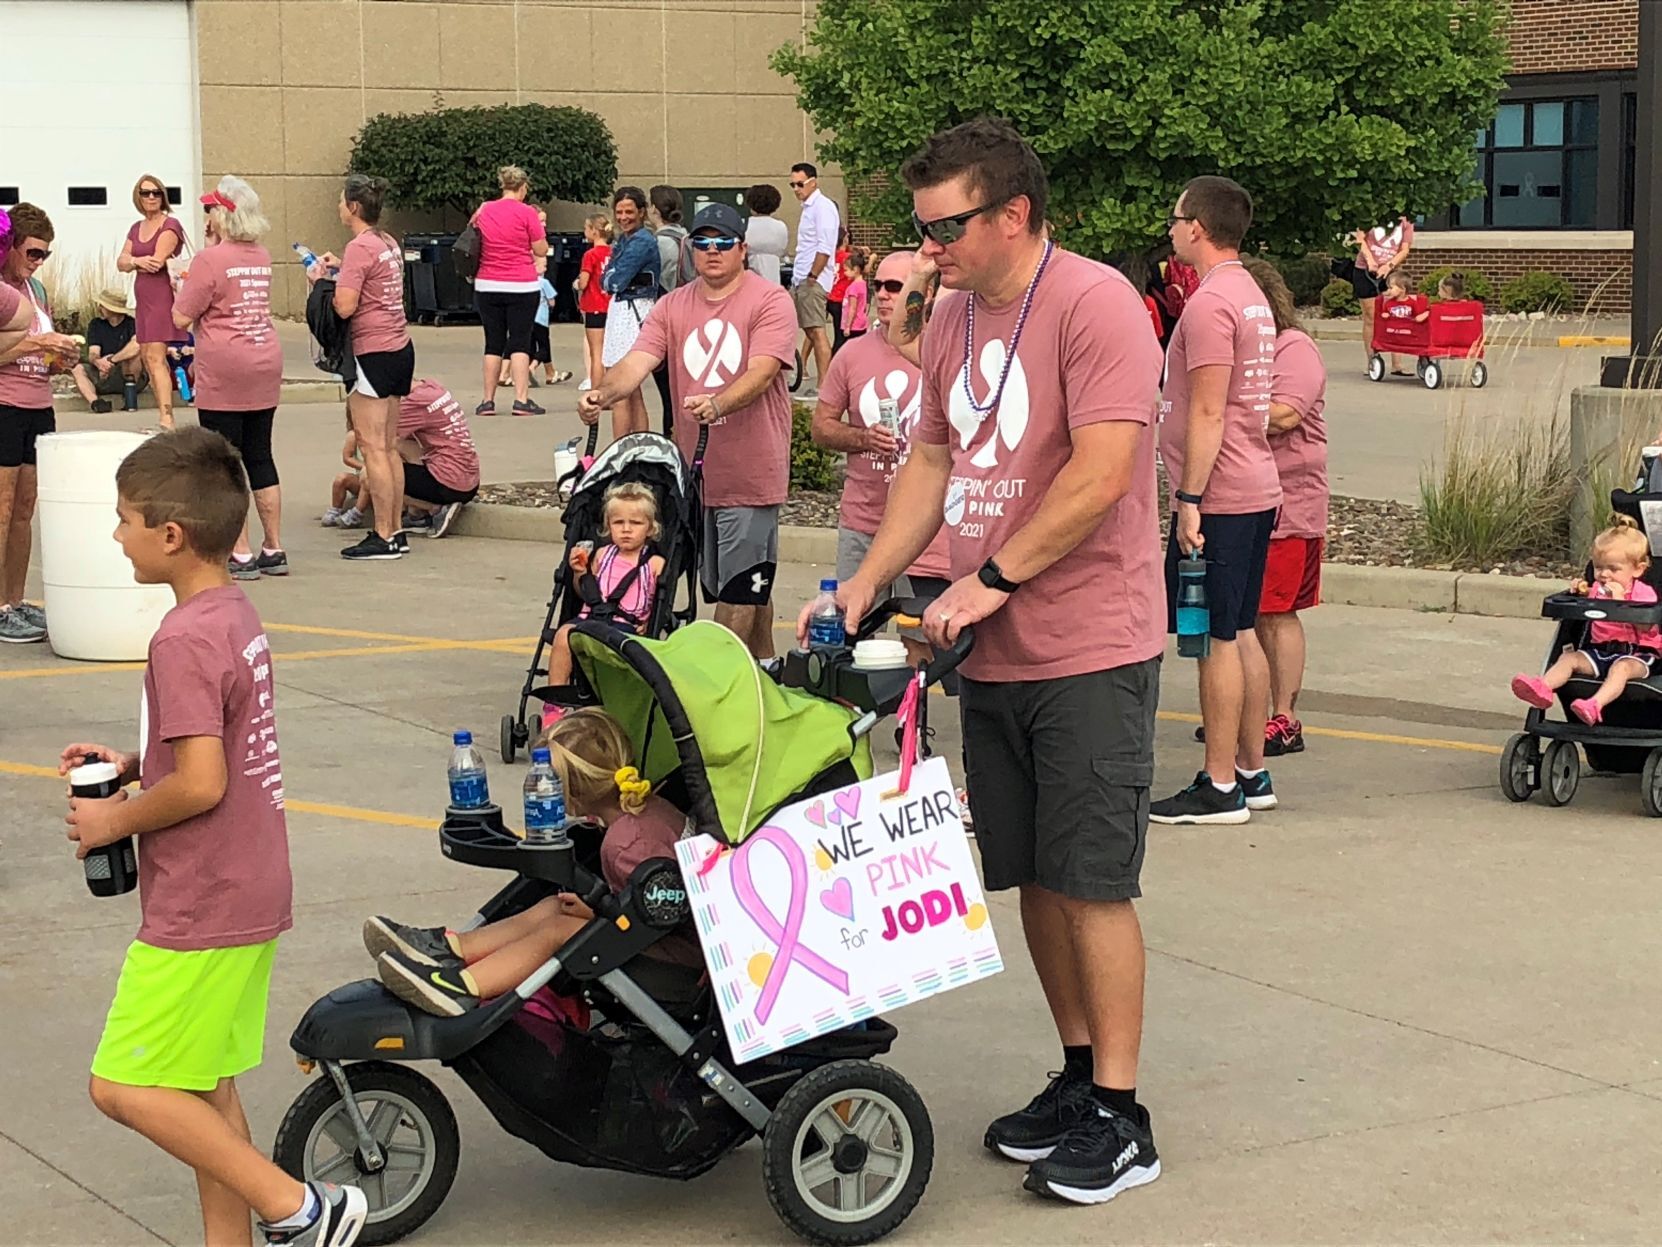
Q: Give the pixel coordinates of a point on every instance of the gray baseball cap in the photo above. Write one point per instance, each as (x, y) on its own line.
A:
(722, 220)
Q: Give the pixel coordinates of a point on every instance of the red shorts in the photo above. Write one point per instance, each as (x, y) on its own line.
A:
(1292, 576)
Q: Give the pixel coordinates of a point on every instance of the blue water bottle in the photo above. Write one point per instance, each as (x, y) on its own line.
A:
(825, 621)
(469, 788)
(545, 802)
(183, 381)
(1194, 617)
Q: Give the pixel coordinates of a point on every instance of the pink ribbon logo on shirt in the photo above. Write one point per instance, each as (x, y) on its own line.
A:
(784, 935)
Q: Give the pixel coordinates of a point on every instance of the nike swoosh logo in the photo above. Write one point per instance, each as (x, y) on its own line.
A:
(439, 979)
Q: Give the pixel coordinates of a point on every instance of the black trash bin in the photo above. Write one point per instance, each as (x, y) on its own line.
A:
(565, 261)
(433, 291)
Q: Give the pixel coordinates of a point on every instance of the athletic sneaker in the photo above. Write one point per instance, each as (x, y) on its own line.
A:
(401, 539)
(443, 518)
(331, 517)
(373, 546)
(1104, 1154)
(1259, 792)
(34, 614)
(342, 1211)
(1283, 735)
(424, 945)
(434, 989)
(243, 569)
(487, 408)
(1032, 1133)
(15, 628)
(527, 407)
(1201, 802)
(272, 563)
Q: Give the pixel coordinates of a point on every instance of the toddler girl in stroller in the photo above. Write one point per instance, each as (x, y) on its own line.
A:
(449, 972)
(1615, 652)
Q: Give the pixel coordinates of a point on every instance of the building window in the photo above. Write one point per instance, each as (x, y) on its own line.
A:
(174, 196)
(9, 197)
(1538, 164)
(1630, 152)
(88, 197)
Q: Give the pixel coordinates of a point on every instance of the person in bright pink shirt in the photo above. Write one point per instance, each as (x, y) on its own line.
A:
(513, 246)
(441, 473)
(855, 301)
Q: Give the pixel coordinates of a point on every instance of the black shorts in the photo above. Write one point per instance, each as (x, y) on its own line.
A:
(1365, 284)
(540, 349)
(594, 320)
(1237, 547)
(508, 317)
(1603, 657)
(19, 427)
(386, 374)
(420, 485)
(250, 433)
(1058, 774)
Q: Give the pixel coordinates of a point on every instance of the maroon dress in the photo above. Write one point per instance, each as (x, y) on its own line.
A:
(153, 292)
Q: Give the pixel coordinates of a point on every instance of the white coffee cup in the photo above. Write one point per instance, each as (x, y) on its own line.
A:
(879, 654)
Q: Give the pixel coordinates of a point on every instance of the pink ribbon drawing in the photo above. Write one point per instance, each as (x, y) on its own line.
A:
(783, 935)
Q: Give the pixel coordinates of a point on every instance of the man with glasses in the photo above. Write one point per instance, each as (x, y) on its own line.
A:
(812, 273)
(726, 336)
(1036, 443)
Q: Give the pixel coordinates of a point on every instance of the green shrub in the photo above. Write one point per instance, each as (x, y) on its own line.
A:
(1498, 493)
(1306, 277)
(1477, 285)
(1537, 292)
(1339, 299)
(812, 467)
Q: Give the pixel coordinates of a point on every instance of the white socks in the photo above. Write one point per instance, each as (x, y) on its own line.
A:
(307, 1214)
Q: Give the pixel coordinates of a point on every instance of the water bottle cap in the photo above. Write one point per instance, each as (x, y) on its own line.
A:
(828, 586)
(541, 755)
(462, 738)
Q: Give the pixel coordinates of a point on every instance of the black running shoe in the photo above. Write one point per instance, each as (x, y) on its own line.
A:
(275, 563)
(243, 569)
(1257, 789)
(401, 541)
(426, 945)
(1105, 1153)
(1032, 1133)
(439, 990)
(1201, 802)
(342, 1211)
(1283, 736)
(528, 407)
(373, 546)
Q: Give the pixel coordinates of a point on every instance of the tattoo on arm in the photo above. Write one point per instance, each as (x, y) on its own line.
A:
(913, 324)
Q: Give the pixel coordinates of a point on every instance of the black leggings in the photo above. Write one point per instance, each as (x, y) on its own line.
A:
(507, 316)
(250, 433)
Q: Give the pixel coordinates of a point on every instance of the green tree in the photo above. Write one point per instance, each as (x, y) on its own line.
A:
(1335, 114)
(448, 158)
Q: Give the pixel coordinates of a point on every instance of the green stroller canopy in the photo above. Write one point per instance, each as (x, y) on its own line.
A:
(696, 700)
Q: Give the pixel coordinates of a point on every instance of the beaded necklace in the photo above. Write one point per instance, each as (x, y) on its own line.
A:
(981, 409)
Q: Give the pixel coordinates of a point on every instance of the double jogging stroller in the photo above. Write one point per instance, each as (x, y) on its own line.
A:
(656, 462)
(648, 1084)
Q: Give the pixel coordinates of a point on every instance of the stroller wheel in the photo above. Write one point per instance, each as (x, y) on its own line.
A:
(1376, 367)
(1560, 772)
(510, 738)
(414, 1127)
(1650, 784)
(847, 1153)
(1518, 762)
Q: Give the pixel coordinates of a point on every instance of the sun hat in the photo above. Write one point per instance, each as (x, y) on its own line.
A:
(113, 298)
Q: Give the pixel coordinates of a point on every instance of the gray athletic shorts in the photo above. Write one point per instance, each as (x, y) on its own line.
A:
(809, 297)
(740, 554)
(852, 548)
(1058, 774)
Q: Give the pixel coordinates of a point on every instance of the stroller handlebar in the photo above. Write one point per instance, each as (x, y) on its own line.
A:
(910, 612)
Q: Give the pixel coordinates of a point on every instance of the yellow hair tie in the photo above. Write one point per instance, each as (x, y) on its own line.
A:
(630, 783)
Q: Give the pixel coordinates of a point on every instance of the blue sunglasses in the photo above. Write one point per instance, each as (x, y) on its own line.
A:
(702, 243)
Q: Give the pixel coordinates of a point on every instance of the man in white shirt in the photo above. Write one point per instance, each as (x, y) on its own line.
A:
(813, 273)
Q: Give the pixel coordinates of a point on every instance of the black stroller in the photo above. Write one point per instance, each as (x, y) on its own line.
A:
(653, 461)
(1628, 739)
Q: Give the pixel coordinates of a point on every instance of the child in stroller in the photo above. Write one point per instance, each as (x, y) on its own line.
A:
(448, 973)
(1614, 653)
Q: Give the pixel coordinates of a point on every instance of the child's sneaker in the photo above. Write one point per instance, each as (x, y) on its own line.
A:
(342, 1211)
(442, 990)
(1533, 690)
(1283, 735)
(331, 517)
(1587, 710)
(427, 945)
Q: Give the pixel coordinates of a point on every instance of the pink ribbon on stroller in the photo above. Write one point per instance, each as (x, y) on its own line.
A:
(784, 935)
(907, 720)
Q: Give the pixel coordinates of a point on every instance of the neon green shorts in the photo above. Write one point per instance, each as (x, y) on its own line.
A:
(186, 1019)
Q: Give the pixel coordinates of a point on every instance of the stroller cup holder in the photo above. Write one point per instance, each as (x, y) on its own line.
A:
(828, 670)
(1607, 610)
(481, 838)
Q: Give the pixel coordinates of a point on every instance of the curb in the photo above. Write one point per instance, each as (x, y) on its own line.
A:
(1346, 584)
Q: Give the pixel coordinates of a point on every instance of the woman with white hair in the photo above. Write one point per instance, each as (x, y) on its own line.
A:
(239, 362)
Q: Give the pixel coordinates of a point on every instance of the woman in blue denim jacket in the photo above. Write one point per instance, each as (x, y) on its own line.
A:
(631, 278)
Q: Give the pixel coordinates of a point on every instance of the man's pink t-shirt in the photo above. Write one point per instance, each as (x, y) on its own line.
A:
(373, 265)
(220, 879)
(710, 344)
(24, 381)
(1298, 379)
(239, 362)
(1085, 357)
(1604, 632)
(1226, 321)
(431, 415)
(862, 374)
(507, 228)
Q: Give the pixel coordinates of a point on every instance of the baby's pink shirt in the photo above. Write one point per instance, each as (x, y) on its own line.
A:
(1604, 632)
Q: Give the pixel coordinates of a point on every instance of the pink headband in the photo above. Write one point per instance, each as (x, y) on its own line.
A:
(213, 199)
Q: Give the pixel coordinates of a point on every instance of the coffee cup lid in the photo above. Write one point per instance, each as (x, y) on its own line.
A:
(94, 773)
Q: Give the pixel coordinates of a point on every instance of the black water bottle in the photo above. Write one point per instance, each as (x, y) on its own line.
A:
(129, 395)
(112, 869)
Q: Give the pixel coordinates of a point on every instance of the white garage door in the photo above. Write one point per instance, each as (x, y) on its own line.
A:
(95, 94)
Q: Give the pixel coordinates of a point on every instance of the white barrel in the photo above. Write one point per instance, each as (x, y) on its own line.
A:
(94, 608)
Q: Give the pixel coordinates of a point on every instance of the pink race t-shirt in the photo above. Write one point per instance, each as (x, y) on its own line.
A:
(507, 228)
(855, 307)
(709, 344)
(1383, 245)
(1085, 357)
(1298, 379)
(239, 362)
(431, 415)
(1604, 632)
(636, 838)
(1226, 321)
(220, 879)
(862, 374)
(373, 265)
(10, 300)
(24, 381)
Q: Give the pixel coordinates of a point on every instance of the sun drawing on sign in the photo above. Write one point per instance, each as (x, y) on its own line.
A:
(758, 966)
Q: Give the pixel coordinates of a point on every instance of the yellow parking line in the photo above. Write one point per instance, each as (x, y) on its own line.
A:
(1377, 738)
(412, 645)
(1593, 339)
(352, 634)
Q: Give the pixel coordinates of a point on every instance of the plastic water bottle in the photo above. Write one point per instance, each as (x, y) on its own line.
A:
(545, 802)
(183, 381)
(1194, 616)
(308, 257)
(825, 623)
(469, 788)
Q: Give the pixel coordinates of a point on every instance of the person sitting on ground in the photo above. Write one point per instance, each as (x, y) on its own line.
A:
(112, 354)
(346, 491)
(1615, 652)
(441, 467)
(450, 972)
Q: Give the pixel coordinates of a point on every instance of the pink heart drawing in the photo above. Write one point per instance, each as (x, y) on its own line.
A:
(815, 814)
(839, 899)
(848, 801)
(834, 816)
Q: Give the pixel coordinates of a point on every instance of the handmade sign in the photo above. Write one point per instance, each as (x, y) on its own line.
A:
(856, 902)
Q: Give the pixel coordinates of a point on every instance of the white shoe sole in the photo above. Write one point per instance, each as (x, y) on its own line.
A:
(350, 1220)
(1262, 803)
(1026, 1155)
(1131, 1178)
(1222, 818)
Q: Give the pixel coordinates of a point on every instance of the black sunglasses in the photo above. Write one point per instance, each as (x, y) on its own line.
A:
(947, 230)
(39, 254)
(891, 286)
(149, 194)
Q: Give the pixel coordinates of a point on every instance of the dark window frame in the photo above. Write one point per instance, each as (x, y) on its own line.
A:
(1566, 147)
(87, 196)
(10, 196)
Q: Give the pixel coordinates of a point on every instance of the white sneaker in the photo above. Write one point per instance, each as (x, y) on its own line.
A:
(585, 384)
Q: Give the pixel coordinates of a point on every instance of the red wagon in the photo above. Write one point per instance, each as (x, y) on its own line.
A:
(1453, 330)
